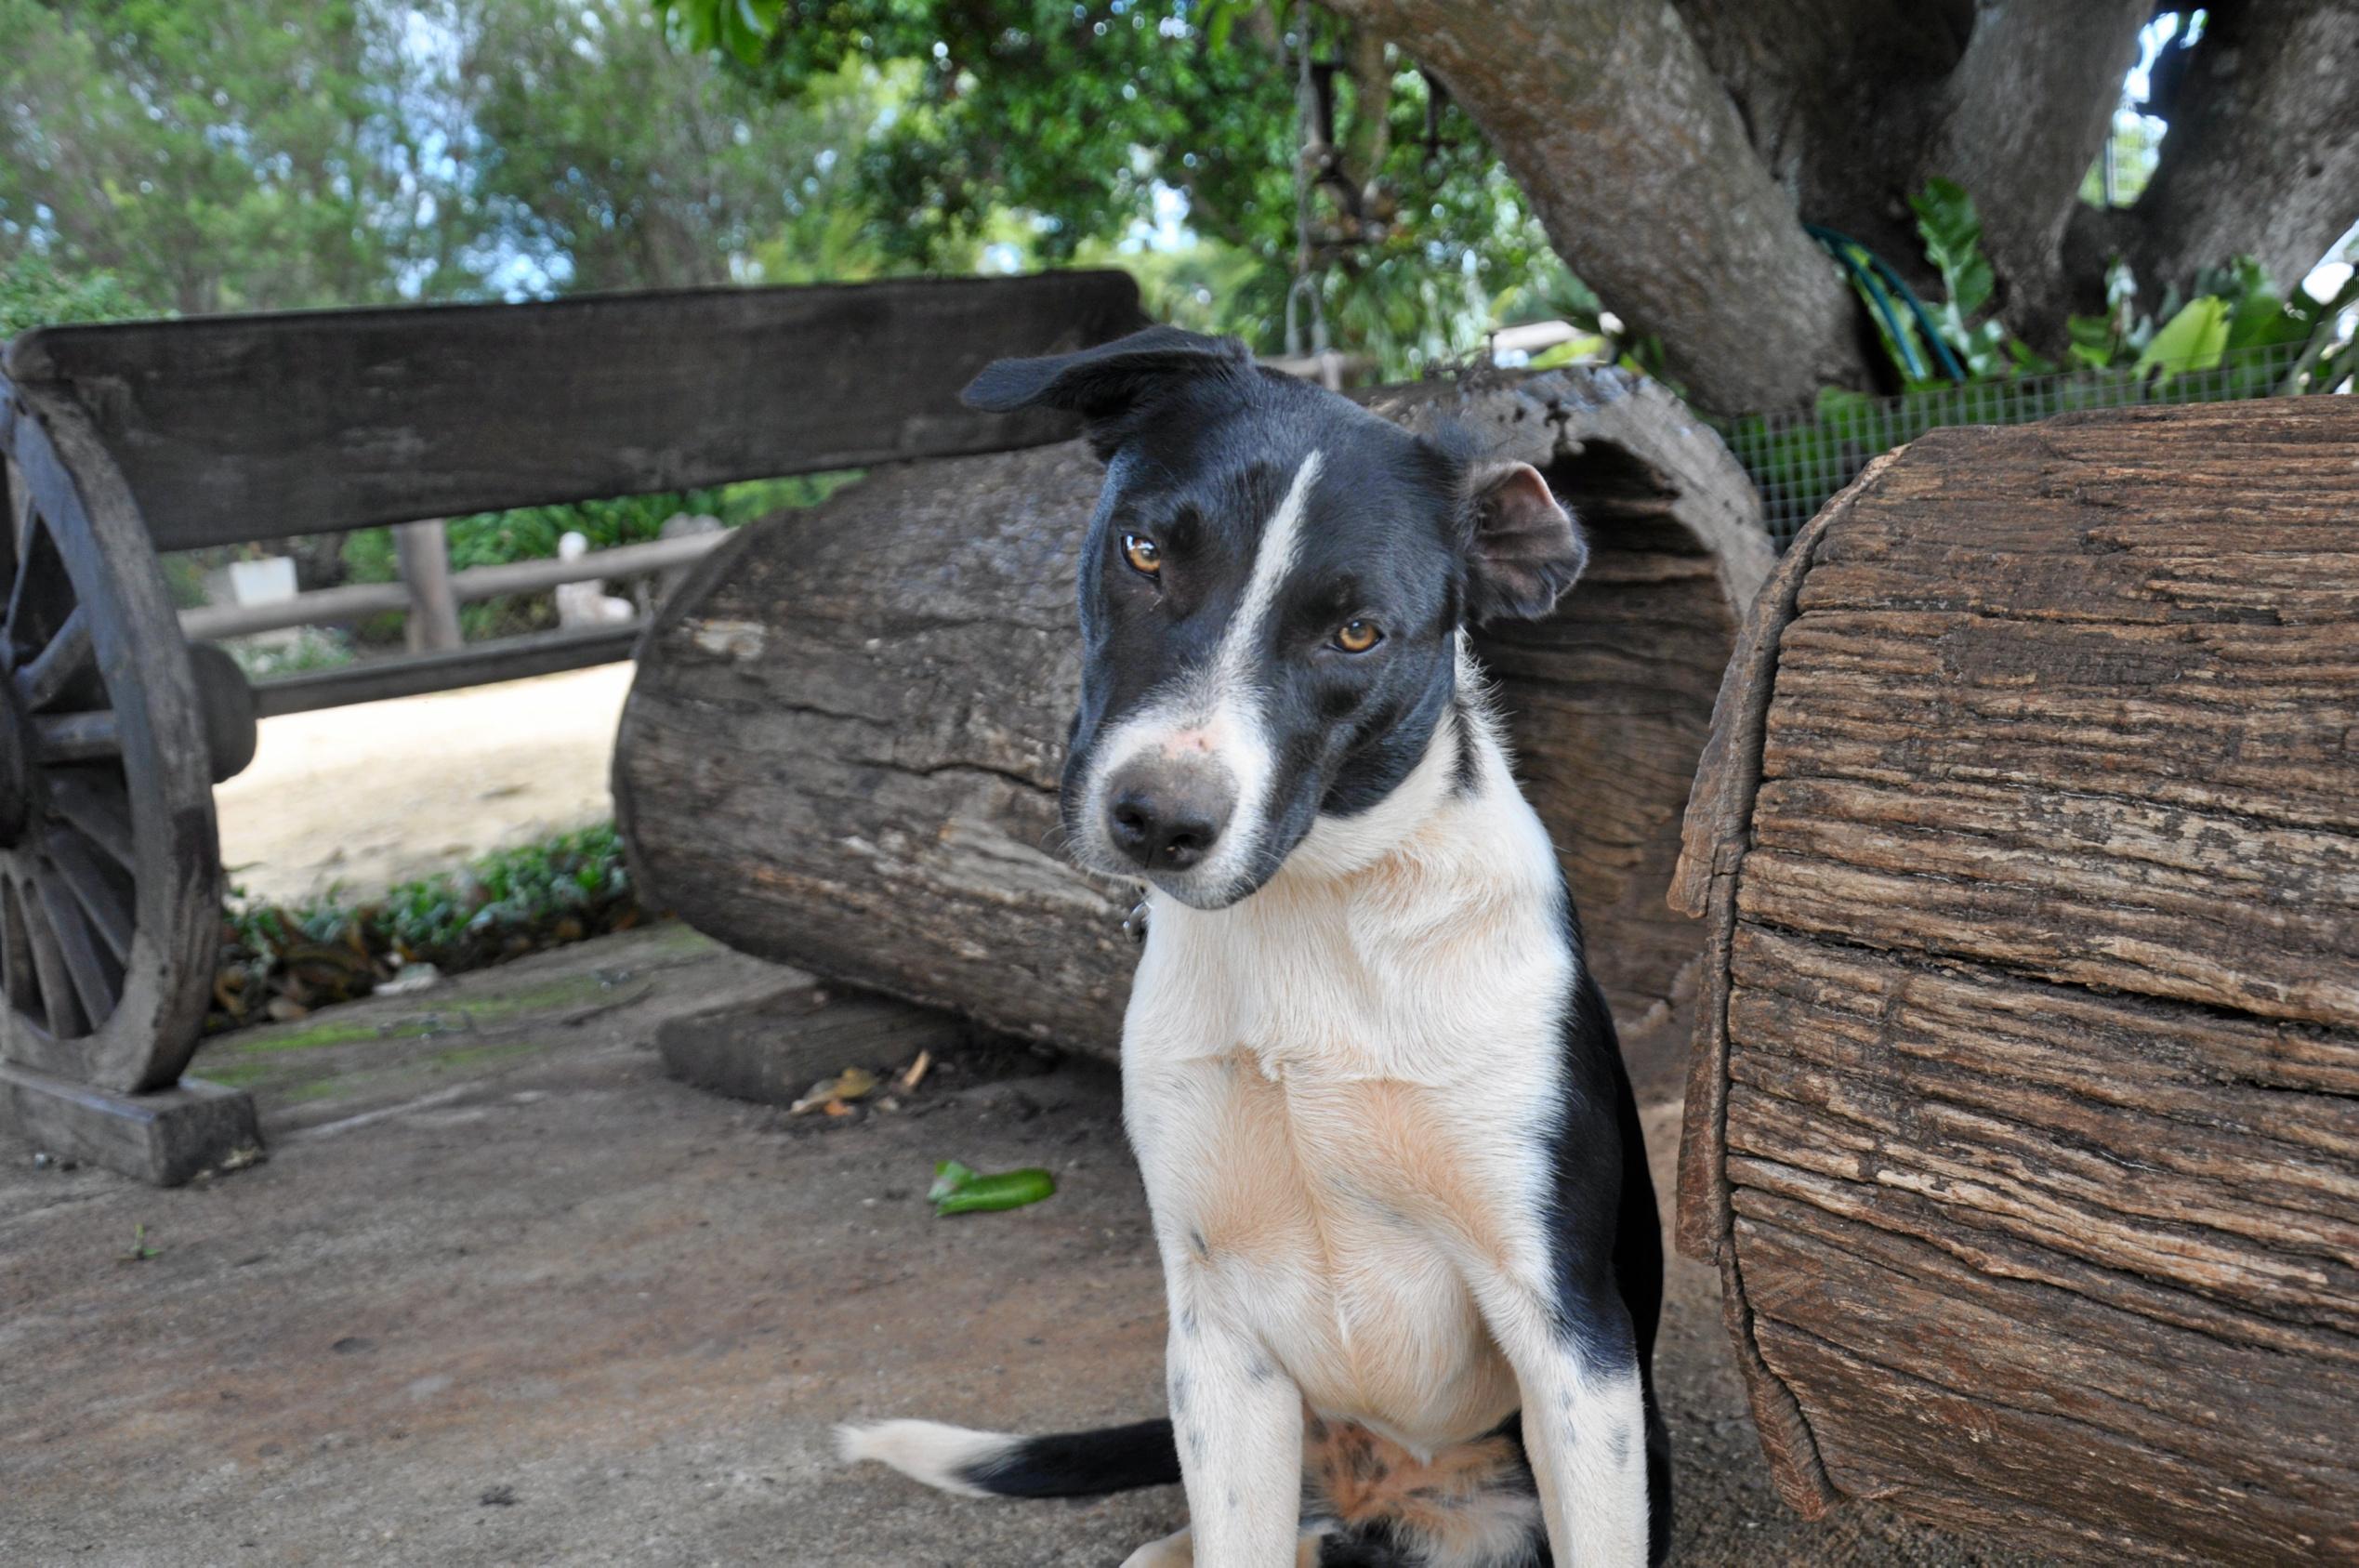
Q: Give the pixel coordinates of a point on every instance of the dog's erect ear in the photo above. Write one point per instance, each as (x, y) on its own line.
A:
(1525, 550)
(1105, 383)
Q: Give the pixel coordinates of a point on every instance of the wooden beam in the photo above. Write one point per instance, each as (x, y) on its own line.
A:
(351, 602)
(233, 428)
(424, 552)
(164, 1137)
(508, 658)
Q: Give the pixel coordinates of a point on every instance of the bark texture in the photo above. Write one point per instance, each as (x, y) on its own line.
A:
(843, 744)
(2019, 1119)
(1634, 156)
(2263, 157)
(1675, 152)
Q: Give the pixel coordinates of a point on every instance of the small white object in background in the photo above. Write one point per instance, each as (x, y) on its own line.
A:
(265, 580)
(420, 976)
(588, 604)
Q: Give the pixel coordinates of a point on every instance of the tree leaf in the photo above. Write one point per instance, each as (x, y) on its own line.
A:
(2191, 340)
(1953, 235)
(2093, 341)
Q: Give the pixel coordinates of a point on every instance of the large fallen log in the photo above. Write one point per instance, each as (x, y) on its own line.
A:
(842, 747)
(2023, 1120)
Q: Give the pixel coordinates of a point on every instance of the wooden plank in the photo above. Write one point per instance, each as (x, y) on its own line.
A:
(239, 428)
(165, 1138)
(508, 658)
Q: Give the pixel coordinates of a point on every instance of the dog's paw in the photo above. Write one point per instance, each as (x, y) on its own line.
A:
(1172, 1551)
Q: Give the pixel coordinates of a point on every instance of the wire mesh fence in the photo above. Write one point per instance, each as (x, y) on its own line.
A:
(1800, 460)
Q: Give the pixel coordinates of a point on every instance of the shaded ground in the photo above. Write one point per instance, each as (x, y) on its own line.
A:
(502, 1294)
(383, 792)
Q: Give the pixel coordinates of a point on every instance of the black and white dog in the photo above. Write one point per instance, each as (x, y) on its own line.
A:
(1408, 1236)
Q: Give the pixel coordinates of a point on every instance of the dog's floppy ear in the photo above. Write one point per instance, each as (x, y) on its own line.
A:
(1524, 550)
(1104, 383)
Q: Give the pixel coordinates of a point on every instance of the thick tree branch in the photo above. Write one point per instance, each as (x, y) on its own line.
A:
(1808, 76)
(2263, 157)
(2023, 115)
(1635, 158)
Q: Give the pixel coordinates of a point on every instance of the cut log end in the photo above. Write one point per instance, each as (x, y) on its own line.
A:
(2019, 1118)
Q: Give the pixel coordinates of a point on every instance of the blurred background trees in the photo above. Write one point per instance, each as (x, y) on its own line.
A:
(1393, 178)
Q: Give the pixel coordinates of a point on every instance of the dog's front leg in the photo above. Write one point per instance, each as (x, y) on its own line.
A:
(1584, 1418)
(1238, 1421)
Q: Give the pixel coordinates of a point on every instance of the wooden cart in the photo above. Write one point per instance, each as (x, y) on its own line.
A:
(125, 440)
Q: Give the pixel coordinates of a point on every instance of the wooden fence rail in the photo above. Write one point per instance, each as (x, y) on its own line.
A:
(324, 606)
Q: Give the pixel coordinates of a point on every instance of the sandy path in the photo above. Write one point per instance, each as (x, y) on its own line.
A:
(365, 796)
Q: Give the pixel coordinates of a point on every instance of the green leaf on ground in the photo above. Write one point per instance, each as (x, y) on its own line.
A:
(959, 1189)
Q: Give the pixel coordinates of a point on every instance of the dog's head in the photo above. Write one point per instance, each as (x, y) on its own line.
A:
(1270, 595)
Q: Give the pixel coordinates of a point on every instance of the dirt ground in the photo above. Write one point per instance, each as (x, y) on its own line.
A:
(369, 795)
(502, 1294)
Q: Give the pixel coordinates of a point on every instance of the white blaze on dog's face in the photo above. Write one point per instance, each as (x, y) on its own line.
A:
(1270, 595)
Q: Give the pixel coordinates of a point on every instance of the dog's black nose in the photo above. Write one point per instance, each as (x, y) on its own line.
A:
(1167, 819)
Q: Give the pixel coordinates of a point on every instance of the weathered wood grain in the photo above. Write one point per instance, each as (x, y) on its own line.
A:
(2024, 1104)
(238, 428)
(164, 1137)
(843, 746)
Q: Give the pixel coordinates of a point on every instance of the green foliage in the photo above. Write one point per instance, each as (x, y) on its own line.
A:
(1953, 235)
(2196, 356)
(34, 292)
(309, 648)
(2191, 340)
(2236, 311)
(707, 178)
(327, 949)
(1039, 133)
(2236, 307)
(216, 154)
(199, 155)
(741, 27)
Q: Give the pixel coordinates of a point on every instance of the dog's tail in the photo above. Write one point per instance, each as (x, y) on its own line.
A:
(998, 1465)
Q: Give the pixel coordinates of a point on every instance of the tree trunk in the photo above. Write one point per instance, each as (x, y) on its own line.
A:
(2024, 116)
(1635, 158)
(2262, 158)
(843, 746)
(2019, 1115)
(1675, 151)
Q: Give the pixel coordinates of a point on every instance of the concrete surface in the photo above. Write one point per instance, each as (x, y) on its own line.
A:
(504, 1295)
(369, 795)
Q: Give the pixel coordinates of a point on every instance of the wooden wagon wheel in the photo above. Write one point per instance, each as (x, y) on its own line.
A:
(109, 865)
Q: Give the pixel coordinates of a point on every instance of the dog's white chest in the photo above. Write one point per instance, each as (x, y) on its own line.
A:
(1341, 1120)
(1328, 1220)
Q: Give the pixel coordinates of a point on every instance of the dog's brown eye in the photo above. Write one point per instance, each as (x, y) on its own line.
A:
(1141, 553)
(1358, 637)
